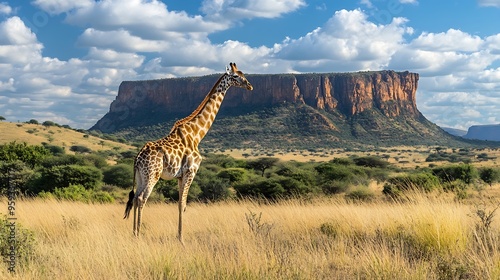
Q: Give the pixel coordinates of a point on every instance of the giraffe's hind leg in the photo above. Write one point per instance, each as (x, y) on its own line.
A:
(141, 201)
(140, 205)
(135, 217)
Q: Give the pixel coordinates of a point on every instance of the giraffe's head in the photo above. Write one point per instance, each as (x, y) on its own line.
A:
(237, 78)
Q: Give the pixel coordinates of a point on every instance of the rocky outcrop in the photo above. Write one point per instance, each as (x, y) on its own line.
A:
(148, 102)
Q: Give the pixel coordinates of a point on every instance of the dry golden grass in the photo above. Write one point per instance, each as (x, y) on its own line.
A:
(58, 136)
(328, 238)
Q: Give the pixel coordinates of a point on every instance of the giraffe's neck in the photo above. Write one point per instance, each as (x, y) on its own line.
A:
(200, 120)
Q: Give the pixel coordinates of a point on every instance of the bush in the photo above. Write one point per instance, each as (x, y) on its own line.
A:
(15, 175)
(102, 197)
(371, 161)
(418, 181)
(62, 160)
(79, 193)
(233, 175)
(261, 189)
(95, 160)
(63, 176)
(80, 149)
(24, 241)
(489, 175)
(360, 194)
(72, 192)
(335, 187)
(215, 189)
(49, 123)
(29, 154)
(335, 172)
(54, 150)
(293, 187)
(342, 161)
(170, 190)
(302, 172)
(120, 175)
(465, 172)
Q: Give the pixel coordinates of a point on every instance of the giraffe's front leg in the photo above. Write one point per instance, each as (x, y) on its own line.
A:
(184, 184)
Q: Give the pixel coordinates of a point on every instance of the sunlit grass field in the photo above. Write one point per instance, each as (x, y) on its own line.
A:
(420, 237)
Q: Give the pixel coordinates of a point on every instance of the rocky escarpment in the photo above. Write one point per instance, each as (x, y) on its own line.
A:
(283, 111)
(149, 102)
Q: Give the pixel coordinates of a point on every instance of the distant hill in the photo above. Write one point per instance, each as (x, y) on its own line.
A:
(454, 131)
(283, 111)
(36, 134)
(484, 132)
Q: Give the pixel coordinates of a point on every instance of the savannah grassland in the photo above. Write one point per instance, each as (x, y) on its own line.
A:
(420, 237)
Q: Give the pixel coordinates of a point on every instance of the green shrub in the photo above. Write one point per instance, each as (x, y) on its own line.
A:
(101, 197)
(342, 161)
(489, 175)
(214, 189)
(261, 189)
(465, 172)
(29, 154)
(233, 175)
(371, 161)
(170, 190)
(79, 193)
(80, 149)
(121, 175)
(24, 243)
(335, 187)
(360, 194)
(72, 192)
(417, 181)
(62, 160)
(65, 175)
(335, 172)
(293, 187)
(54, 150)
(301, 172)
(15, 175)
(95, 160)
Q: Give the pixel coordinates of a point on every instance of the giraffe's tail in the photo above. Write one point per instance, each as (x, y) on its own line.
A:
(130, 201)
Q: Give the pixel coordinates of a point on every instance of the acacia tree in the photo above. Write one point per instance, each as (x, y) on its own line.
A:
(262, 164)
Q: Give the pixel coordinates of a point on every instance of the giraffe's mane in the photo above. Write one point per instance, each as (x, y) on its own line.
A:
(200, 107)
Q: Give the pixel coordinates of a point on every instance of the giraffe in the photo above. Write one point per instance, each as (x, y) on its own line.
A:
(176, 156)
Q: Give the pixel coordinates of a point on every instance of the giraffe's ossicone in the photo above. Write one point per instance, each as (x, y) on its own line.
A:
(176, 156)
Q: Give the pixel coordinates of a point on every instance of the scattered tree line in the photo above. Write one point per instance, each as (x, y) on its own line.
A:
(48, 171)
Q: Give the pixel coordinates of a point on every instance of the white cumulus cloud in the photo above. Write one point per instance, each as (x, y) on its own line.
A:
(489, 3)
(232, 9)
(347, 42)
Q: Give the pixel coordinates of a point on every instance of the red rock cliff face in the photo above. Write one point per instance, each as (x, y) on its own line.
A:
(393, 93)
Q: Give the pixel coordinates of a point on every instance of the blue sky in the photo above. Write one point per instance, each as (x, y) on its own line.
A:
(63, 60)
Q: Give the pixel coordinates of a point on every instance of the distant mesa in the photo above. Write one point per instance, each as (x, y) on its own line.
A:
(484, 132)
